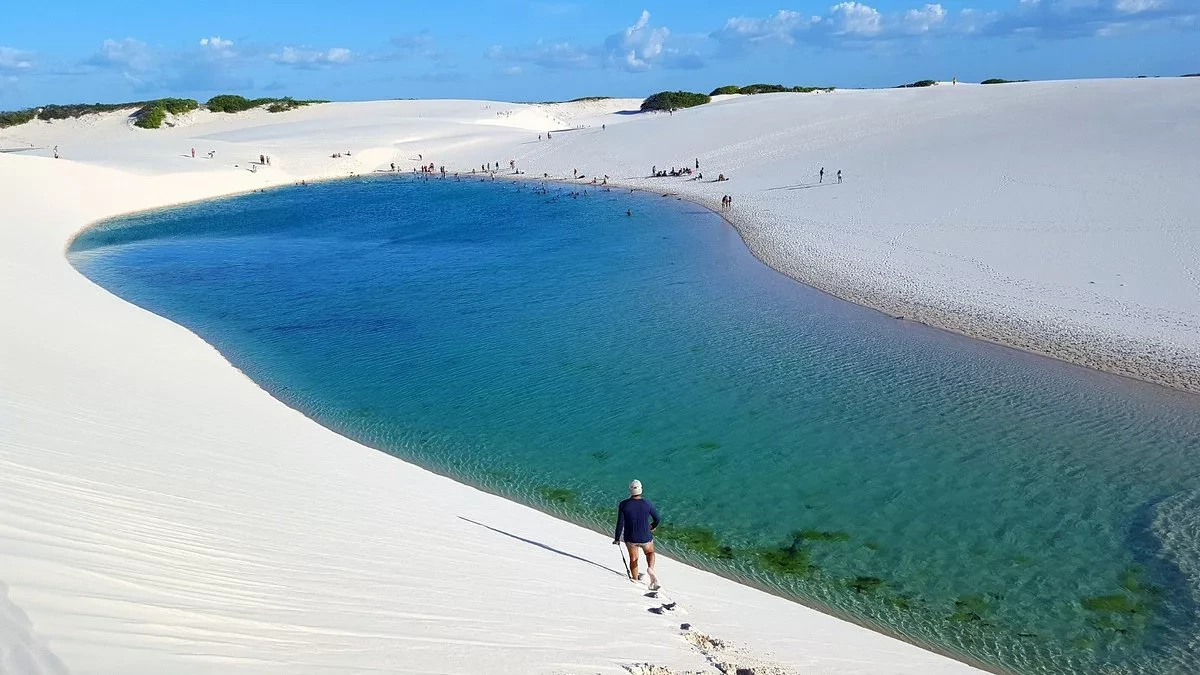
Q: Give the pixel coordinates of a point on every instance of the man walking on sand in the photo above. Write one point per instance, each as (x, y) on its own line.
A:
(636, 520)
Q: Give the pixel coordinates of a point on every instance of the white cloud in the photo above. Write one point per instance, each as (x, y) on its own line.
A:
(853, 18)
(852, 22)
(971, 21)
(128, 54)
(14, 59)
(301, 57)
(782, 27)
(513, 70)
(416, 46)
(1137, 6)
(925, 19)
(216, 48)
(559, 55)
(638, 47)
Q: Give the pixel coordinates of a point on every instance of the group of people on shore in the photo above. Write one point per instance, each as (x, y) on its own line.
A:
(673, 173)
(264, 160)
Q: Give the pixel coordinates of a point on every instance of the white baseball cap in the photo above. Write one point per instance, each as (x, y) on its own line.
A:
(635, 488)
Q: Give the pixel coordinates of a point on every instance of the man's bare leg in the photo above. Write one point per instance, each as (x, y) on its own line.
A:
(649, 549)
(633, 561)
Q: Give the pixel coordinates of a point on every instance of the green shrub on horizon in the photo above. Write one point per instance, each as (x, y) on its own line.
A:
(288, 103)
(918, 83)
(751, 89)
(233, 103)
(229, 103)
(73, 110)
(152, 115)
(674, 100)
(997, 80)
(12, 118)
(1191, 75)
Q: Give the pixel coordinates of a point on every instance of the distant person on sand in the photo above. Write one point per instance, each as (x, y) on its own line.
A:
(193, 153)
(821, 176)
(839, 175)
(636, 520)
(56, 152)
(697, 162)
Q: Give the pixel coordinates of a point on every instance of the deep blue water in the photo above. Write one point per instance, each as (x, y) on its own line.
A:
(1011, 509)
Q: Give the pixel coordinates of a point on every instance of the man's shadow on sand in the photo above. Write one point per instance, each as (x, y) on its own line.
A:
(544, 546)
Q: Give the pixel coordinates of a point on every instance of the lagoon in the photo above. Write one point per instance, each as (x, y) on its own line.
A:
(1010, 509)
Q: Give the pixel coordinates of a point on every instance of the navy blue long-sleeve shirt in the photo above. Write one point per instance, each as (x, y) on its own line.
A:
(635, 519)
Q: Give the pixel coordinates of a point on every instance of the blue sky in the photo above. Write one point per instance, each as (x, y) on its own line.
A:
(86, 51)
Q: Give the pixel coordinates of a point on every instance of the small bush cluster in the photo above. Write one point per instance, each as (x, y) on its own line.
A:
(674, 100)
(62, 112)
(14, 117)
(765, 89)
(232, 103)
(151, 115)
(918, 83)
(997, 80)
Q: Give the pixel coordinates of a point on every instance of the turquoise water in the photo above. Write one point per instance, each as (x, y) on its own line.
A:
(1020, 512)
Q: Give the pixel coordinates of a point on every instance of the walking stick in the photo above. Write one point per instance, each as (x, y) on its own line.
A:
(628, 574)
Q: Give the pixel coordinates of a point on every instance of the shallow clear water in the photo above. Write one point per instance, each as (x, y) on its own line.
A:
(1014, 510)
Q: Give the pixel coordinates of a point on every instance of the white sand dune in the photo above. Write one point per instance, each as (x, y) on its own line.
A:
(160, 513)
